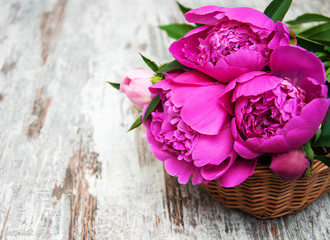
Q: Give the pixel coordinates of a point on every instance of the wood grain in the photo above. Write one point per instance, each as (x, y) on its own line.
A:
(68, 169)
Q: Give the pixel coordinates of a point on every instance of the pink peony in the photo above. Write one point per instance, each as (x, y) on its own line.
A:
(289, 166)
(279, 111)
(135, 86)
(190, 131)
(233, 41)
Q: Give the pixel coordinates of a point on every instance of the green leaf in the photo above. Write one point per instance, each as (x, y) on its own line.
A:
(156, 79)
(277, 9)
(151, 64)
(324, 159)
(307, 148)
(183, 9)
(177, 30)
(170, 66)
(324, 139)
(115, 85)
(326, 64)
(309, 17)
(319, 33)
(137, 123)
(328, 78)
(309, 44)
(317, 135)
(152, 105)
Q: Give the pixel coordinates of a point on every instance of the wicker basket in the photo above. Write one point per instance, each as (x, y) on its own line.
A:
(265, 195)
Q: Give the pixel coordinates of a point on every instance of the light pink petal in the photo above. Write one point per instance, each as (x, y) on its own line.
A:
(297, 64)
(238, 172)
(181, 169)
(213, 149)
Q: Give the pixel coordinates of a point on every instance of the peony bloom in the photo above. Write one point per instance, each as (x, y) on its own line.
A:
(135, 86)
(279, 111)
(289, 166)
(233, 41)
(190, 131)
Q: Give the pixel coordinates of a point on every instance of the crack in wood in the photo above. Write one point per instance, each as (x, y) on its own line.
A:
(50, 25)
(83, 205)
(38, 115)
(174, 200)
(7, 67)
(274, 229)
(6, 219)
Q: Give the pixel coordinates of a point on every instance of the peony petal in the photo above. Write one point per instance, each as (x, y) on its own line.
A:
(194, 78)
(214, 172)
(234, 65)
(295, 133)
(251, 16)
(275, 144)
(238, 172)
(176, 48)
(244, 151)
(282, 36)
(156, 147)
(197, 177)
(204, 101)
(313, 89)
(209, 15)
(159, 86)
(239, 144)
(289, 166)
(256, 86)
(213, 149)
(297, 64)
(302, 128)
(181, 169)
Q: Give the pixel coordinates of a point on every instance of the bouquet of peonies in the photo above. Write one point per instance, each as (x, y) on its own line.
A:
(243, 87)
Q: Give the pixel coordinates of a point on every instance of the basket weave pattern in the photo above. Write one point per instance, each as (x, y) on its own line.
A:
(264, 195)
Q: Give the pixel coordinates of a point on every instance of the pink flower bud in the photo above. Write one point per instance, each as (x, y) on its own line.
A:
(289, 166)
(135, 86)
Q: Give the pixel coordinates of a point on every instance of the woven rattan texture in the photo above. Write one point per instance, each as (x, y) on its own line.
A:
(265, 195)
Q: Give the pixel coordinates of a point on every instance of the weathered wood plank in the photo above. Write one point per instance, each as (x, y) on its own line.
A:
(68, 169)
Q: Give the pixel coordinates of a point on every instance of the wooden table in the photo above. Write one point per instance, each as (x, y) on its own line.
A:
(68, 169)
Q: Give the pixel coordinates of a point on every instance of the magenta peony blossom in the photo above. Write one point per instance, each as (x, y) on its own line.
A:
(190, 131)
(279, 111)
(233, 41)
(289, 166)
(135, 86)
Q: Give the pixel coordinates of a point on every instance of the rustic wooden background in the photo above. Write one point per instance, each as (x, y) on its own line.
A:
(68, 169)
